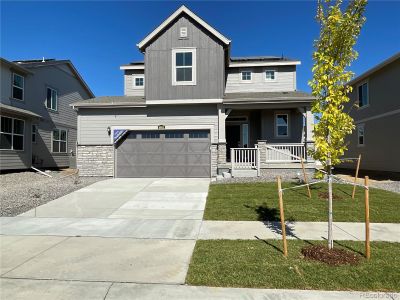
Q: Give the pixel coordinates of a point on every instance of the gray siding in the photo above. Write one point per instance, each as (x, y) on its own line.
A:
(210, 64)
(129, 89)
(285, 80)
(295, 126)
(10, 159)
(69, 88)
(382, 141)
(93, 123)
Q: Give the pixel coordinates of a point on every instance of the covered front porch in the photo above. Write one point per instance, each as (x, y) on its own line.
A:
(257, 137)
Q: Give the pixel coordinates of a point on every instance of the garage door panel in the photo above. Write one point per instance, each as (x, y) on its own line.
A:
(159, 154)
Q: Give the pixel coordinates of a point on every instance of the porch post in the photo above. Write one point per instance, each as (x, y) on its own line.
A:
(309, 132)
(222, 115)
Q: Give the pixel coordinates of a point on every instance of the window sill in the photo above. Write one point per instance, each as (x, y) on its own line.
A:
(183, 83)
(16, 99)
(52, 110)
(363, 107)
(12, 150)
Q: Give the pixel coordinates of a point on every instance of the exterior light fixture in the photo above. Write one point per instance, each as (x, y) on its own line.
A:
(109, 130)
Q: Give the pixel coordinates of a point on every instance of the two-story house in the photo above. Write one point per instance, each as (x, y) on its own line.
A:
(191, 110)
(375, 107)
(38, 126)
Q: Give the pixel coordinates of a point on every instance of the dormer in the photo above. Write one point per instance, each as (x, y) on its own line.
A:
(134, 78)
(261, 74)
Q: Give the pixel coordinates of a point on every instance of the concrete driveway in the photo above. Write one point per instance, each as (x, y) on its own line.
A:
(117, 230)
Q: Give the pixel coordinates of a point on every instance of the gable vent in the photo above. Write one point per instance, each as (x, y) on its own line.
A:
(183, 32)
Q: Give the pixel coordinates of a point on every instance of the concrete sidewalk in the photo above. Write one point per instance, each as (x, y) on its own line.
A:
(48, 290)
(248, 230)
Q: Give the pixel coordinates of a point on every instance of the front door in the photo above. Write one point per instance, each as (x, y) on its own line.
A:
(232, 139)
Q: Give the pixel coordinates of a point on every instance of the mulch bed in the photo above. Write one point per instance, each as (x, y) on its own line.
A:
(332, 257)
(325, 195)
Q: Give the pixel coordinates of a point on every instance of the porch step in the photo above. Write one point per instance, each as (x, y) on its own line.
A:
(244, 173)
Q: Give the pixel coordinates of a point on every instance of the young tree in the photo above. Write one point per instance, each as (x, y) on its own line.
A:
(333, 54)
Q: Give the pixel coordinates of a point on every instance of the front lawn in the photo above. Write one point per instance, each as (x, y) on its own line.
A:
(259, 201)
(260, 264)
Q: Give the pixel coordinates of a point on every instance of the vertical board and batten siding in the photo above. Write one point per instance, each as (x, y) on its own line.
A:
(210, 64)
(70, 90)
(285, 80)
(128, 83)
(93, 123)
(381, 149)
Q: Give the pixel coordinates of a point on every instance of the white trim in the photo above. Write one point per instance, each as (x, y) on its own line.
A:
(276, 135)
(184, 101)
(12, 134)
(241, 80)
(137, 87)
(173, 16)
(133, 67)
(59, 141)
(358, 95)
(51, 100)
(174, 67)
(265, 75)
(167, 127)
(386, 114)
(360, 126)
(18, 87)
(263, 64)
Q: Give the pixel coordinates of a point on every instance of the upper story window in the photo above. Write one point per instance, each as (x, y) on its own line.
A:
(12, 134)
(51, 99)
(18, 87)
(270, 75)
(363, 95)
(138, 81)
(59, 141)
(34, 133)
(245, 76)
(281, 125)
(184, 66)
(360, 135)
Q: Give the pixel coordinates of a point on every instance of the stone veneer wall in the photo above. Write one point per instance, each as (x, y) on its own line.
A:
(222, 153)
(95, 160)
(214, 160)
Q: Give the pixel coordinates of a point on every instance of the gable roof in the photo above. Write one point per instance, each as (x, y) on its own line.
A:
(14, 66)
(178, 12)
(376, 68)
(52, 62)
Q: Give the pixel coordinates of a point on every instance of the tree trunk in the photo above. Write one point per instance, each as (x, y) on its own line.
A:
(330, 209)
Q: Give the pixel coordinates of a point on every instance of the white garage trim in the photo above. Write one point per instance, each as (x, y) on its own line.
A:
(167, 127)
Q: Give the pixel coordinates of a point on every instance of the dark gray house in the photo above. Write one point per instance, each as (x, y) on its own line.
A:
(375, 108)
(38, 126)
(192, 110)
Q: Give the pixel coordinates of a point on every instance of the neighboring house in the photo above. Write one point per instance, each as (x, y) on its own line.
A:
(191, 110)
(375, 107)
(38, 126)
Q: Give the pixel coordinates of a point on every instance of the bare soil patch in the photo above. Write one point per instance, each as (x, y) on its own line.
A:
(332, 257)
(324, 196)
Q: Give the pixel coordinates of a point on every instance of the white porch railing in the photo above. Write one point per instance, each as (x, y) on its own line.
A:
(286, 152)
(245, 159)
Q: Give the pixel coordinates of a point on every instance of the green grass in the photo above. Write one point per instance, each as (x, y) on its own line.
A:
(259, 201)
(260, 264)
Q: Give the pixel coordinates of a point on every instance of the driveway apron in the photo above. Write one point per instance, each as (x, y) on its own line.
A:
(117, 230)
